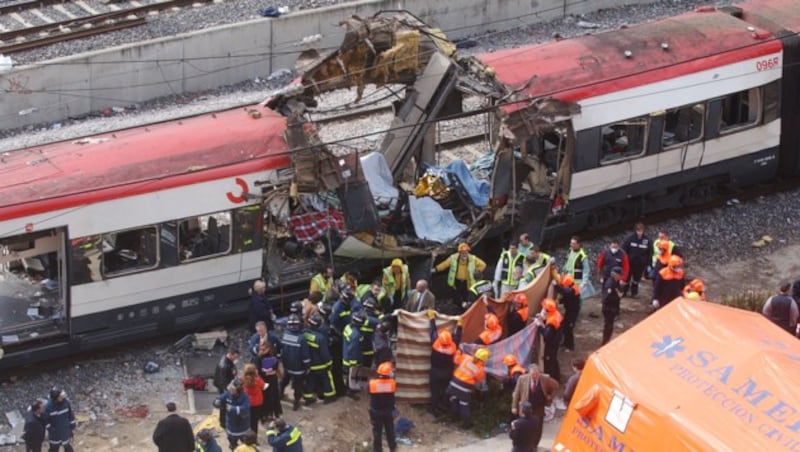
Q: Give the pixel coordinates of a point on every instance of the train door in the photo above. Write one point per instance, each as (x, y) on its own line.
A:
(33, 288)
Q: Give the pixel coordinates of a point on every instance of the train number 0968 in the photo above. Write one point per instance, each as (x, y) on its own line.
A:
(764, 65)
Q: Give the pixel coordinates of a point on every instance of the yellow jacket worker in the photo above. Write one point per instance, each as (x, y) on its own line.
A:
(461, 275)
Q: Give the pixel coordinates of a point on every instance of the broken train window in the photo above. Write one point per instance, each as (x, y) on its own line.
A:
(623, 139)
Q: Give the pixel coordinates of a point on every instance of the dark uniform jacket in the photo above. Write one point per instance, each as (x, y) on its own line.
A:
(174, 434)
(224, 373)
(33, 434)
(296, 356)
(525, 434)
(640, 250)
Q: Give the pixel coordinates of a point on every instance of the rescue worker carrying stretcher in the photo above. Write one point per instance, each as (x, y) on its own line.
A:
(470, 375)
(444, 349)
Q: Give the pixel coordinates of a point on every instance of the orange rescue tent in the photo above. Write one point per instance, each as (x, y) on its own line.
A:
(693, 376)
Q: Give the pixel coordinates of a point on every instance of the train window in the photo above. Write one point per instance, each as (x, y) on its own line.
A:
(547, 147)
(129, 251)
(772, 97)
(740, 110)
(203, 236)
(86, 257)
(248, 229)
(624, 139)
(683, 125)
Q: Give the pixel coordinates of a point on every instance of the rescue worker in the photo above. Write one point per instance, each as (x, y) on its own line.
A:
(343, 308)
(535, 262)
(610, 301)
(397, 282)
(669, 283)
(782, 309)
(296, 358)
(640, 254)
(577, 266)
(382, 344)
(33, 431)
(462, 267)
(351, 353)
(322, 282)
(319, 382)
(444, 349)
(570, 296)
(525, 245)
(504, 270)
(351, 279)
(661, 259)
(514, 371)
(517, 316)
(260, 308)
(60, 420)
(551, 334)
(468, 376)
(206, 442)
(284, 437)
(335, 341)
(695, 290)
(492, 330)
(367, 334)
(669, 245)
(611, 257)
(381, 407)
(481, 291)
(237, 412)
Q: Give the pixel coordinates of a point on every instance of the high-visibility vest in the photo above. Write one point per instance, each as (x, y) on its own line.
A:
(508, 263)
(469, 371)
(322, 283)
(543, 259)
(382, 386)
(389, 283)
(574, 265)
(293, 436)
(491, 336)
(657, 250)
(451, 275)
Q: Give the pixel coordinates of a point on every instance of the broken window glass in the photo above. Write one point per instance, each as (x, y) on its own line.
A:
(623, 139)
(683, 125)
(740, 109)
(204, 235)
(129, 251)
(32, 301)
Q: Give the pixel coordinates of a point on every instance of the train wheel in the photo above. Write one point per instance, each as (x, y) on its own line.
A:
(698, 194)
(602, 218)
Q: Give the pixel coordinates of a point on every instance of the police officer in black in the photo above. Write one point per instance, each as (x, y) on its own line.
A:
(611, 296)
(640, 254)
(782, 309)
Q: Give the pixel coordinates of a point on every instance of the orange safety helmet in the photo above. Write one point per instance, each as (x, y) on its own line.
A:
(492, 322)
(675, 261)
(697, 285)
(567, 280)
(522, 299)
(445, 337)
(510, 360)
(385, 369)
(549, 305)
(463, 247)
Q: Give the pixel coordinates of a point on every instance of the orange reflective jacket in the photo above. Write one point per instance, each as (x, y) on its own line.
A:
(449, 349)
(490, 336)
(469, 371)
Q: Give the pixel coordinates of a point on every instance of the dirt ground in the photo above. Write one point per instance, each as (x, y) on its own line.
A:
(344, 425)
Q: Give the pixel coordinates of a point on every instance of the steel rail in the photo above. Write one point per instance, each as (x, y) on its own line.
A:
(68, 36)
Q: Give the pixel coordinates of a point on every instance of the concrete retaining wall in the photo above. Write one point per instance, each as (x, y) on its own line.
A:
(207, 59)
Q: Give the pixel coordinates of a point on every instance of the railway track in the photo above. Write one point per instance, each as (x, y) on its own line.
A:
(39, 23)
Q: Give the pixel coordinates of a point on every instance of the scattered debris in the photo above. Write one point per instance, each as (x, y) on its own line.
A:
(6, 63)
(17, 423)
(270, 11)
(181, 343)
(151, 367)
(585, 24)
(28, 111)
(767, 239)
(139, 411)
(207, 341)
(759, 243)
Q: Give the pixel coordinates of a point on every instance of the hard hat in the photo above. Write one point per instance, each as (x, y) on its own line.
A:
(296, 307)
(675, 261)
(385, 369)
(369, 303)
(397, 263)
(697, 285)
(693, 296)
(491, 321)
(510, 360)
(324, 309)
(294, 320)
(549, 305)
(482, 354)
(445, 337)
(522, 299)
(56, 391)
(463, 247)
(359, 317)
(567, 280)
(315, 319)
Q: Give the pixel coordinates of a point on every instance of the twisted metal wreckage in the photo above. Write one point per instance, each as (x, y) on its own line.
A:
(526, 180)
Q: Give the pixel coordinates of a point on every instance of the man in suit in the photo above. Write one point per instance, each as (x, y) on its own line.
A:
(174, 433)
(537, 388)
(421, 298)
